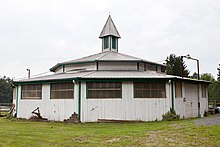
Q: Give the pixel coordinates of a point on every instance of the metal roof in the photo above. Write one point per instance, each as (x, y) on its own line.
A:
(109, 29)
(105, 75)
(104, 56)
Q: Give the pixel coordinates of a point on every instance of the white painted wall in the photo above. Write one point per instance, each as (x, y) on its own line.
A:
(117, 66)
(127, 108)
(53, 109)
(59, 69)
(87, 66)
(187, 106)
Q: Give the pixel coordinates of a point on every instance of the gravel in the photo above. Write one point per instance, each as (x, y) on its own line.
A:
(208, 121)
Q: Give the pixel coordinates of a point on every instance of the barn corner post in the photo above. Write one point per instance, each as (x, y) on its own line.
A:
(79, 100)
(16, 109)
(172, 96)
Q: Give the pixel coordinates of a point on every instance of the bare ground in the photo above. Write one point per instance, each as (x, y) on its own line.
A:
(208, 121)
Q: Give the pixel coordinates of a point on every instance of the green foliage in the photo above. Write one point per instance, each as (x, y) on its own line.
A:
(218, 74)
(6, 90)
(170, 115)
(194, 76)
(213, 88)
(176, 66)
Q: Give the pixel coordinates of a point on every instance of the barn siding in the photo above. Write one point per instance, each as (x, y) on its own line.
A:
(117, 66)
(127, 108)
(53, 109)
(86, 66)
(188, 105)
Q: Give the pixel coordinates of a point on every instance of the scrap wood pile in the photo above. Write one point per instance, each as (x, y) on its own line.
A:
(37, 116)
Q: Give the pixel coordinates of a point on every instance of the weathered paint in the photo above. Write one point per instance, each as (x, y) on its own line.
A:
(83, 66)
(117, 66)
(53, 109)
(126, 108)
(187, 106)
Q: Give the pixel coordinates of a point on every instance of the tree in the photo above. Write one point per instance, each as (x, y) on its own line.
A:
(6, 90)
(218, 74)
(176, 66)
(213, 87)
(194, 76)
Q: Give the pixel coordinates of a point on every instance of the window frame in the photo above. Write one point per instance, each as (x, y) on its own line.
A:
(31, 98)
(204, 89)
(150, 89)
(181, 89)
(106, 42)
(87, 91)
(73, 89)
(114, 42)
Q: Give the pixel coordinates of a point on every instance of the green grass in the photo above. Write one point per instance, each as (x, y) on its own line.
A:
(174, 133)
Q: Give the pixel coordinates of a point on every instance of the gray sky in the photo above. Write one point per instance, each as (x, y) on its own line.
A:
(37, 34)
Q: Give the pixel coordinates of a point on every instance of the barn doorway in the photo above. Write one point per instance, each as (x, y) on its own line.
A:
(191, 100)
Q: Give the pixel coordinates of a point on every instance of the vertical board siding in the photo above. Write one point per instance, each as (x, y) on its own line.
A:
(52, 109)
(117, 65)
(86, 66)
(127, 108)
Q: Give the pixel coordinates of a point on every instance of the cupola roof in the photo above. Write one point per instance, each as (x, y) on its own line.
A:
(109, 29)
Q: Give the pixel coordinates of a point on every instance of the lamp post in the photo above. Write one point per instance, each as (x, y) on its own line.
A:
(29, 73)
(197, 60)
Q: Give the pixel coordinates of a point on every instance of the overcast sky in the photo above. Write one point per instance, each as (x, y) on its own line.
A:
(37, 34)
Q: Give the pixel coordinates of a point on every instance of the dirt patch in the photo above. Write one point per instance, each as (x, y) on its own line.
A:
(208, 121)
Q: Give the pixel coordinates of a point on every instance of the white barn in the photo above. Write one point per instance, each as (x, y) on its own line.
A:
(110, 85)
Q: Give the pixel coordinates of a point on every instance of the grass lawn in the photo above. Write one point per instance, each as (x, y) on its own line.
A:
(174, 133)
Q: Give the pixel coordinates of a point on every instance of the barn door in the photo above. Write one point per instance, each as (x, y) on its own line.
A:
(191, 100)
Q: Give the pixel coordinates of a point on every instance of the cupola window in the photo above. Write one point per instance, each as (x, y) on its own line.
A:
(113, 42)
(106, 43)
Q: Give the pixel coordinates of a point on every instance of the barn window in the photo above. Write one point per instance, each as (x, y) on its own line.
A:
(149, 90)
(104, 90)
(204, 91)
(62, 90)
(178, 89)
(32, 91)
(150, 67)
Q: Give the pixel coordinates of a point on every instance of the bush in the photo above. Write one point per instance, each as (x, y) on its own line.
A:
(170, 115)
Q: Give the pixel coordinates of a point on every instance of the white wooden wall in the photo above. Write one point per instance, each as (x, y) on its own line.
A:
(127, 108)
(187, 106)
(117, 66)
(53, 109)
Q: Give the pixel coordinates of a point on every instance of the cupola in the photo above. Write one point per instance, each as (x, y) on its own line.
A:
(109, 36)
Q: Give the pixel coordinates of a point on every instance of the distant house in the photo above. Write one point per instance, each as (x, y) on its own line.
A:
(110, 85)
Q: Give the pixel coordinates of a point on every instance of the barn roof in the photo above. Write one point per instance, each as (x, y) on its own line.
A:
(104, 56)
(93, 74)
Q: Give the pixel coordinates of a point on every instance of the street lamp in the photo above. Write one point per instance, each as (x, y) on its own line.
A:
(29, 73)
(189, 57)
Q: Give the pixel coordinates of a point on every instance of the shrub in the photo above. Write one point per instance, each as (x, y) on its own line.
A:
(170, 115)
